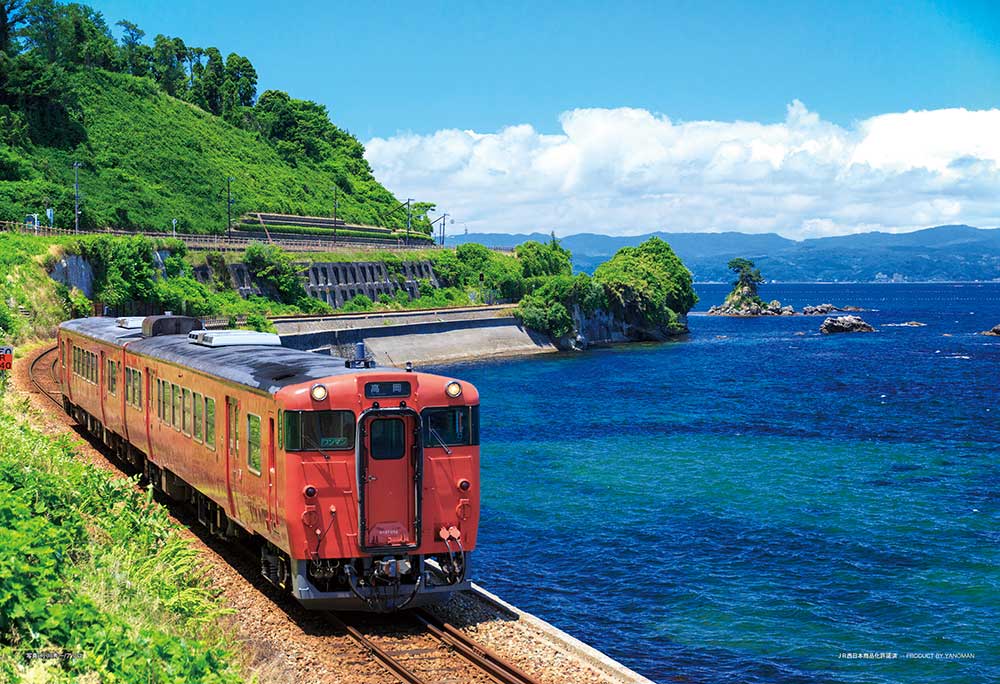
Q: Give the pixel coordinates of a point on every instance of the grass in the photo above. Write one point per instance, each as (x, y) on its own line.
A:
(149, 158)
(92, 567)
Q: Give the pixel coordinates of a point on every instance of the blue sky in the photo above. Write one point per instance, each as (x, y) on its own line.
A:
(805, 118)
(385, 67)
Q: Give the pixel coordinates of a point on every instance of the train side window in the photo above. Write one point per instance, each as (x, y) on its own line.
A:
(293, 431)
(281, 428)
(137, 395)
(197, 414)
(128, 385)
(253, 443)
(177, 405)
(186, 415)
(210, 423)
(159, 398)
(234, 427)
(110, 372)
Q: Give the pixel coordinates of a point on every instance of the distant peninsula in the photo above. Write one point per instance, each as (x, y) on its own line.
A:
(941, 253)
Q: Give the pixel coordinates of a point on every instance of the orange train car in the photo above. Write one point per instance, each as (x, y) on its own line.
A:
(359, 484)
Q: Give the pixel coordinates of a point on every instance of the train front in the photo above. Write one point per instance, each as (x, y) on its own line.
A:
(381, 488)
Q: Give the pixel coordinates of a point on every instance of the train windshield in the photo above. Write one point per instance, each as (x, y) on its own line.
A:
(451, 426)
(312, 430)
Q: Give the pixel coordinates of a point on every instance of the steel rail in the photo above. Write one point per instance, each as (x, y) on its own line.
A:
(386, 660)
(484, 658)
(32, 368)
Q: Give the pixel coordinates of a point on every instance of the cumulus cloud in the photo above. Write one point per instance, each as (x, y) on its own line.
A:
(626, 171)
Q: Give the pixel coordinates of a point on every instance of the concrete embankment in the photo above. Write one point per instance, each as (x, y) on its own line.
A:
(425, 337)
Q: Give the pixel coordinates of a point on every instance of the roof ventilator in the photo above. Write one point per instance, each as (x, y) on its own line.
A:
(233, 338)
(130, 322)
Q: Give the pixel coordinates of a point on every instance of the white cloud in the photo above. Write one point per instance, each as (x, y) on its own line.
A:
(622, 171)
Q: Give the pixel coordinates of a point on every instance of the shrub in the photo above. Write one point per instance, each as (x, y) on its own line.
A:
(271, 266)
(91, 565)
(547, 316)
(648, 284)
(359, 303)
(544, 260)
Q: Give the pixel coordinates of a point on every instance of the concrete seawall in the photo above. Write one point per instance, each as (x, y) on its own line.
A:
(433, 338)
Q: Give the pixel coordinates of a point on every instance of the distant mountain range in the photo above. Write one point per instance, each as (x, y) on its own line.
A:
(941, 253)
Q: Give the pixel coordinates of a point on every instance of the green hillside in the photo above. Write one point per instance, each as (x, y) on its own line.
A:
(158, 130)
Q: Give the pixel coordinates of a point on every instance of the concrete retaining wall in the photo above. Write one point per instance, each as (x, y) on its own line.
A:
(336, 282)
(429, 342)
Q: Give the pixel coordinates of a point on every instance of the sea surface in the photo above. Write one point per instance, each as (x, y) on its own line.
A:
(759, 502)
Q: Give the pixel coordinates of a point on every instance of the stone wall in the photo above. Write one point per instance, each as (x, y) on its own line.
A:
(337, 282)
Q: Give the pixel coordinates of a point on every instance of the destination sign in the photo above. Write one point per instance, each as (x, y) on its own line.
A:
(378, 390)
(6, 358)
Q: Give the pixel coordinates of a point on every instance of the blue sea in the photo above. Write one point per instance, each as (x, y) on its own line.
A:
(759, 502)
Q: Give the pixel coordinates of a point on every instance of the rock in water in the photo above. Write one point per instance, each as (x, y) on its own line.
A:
(994, 331)
(845, 324)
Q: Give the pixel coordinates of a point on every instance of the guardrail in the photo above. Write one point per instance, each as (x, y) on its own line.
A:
(223, 243)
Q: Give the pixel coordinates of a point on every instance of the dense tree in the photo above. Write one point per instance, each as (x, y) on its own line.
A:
(648, 283)
(42, 30)
(136, 54)
(11, 17)
(544, 260)
(240, 72)
(85, 38)
(55, 59)
(169, 58)
(747, 275)
(211, 81)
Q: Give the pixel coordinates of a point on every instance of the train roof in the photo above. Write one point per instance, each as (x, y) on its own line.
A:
(266, 368)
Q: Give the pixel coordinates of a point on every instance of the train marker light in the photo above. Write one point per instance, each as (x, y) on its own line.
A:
(464, 485)
(318, 392)
(453, 389)
(310, 492)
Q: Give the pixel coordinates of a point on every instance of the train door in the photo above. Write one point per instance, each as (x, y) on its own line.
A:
(147, 406)
(102, 386)
(271, 469)
(389, 480)
(234, 470)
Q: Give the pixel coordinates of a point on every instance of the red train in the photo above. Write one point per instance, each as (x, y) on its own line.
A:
(360, 484)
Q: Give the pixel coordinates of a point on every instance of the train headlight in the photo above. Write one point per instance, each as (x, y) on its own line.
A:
(318, 392)
(453, 389)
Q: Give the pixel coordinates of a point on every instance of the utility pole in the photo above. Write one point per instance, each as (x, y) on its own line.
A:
(409, 215)
(443, 218)
(336, 203)
(76, 204)
(229, 206)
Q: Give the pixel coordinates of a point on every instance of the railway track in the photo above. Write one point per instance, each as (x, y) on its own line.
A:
(43, 375)
(414, 646)
(412, 651)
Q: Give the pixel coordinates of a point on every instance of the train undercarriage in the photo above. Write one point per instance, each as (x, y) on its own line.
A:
(378, 583)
